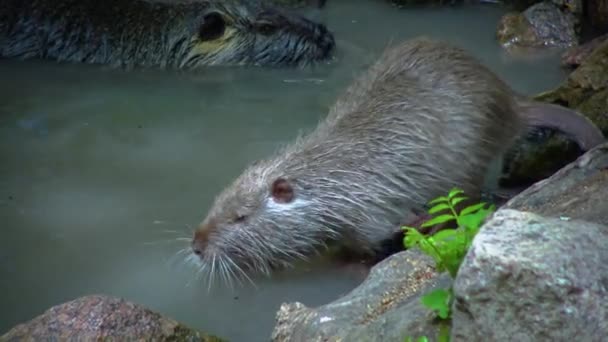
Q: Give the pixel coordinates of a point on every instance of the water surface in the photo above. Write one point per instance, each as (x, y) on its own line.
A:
(102, 171)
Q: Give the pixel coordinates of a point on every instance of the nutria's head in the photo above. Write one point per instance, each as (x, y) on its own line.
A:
(261, 222)
(251, 33)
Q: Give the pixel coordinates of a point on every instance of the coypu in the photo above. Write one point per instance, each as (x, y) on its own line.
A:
(139, 33)
(424, 118)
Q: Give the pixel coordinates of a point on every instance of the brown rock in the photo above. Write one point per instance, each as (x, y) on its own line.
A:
(99, 317)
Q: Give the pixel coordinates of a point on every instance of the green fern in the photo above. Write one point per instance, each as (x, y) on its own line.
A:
(447, 247)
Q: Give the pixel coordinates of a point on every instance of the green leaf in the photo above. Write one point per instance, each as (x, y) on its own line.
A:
(437, 220)
(471, 221)
(444, 234)
(474, 220)
(429, 248)
(454, 192)
(457, 200)
(439, 200)
(472, 208)
(439, 207)
(438, 300)
(412, 237)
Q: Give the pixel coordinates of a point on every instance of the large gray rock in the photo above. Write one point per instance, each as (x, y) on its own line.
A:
(529, 278)
(541, 25)
(97, 318)
(577, 191)
(385, 307)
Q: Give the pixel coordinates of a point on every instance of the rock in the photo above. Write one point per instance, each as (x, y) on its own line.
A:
(385, 307)
(578, 191)
(575, 56)
(541, 25)
(98, 317)
(529, 278)
(585, 90)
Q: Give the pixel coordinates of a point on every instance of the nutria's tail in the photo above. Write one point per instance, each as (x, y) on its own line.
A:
(570, 122)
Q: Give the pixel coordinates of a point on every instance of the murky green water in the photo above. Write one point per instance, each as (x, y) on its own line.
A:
(102, 171)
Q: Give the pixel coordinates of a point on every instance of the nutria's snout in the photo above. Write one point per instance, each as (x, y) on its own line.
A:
(200, 240)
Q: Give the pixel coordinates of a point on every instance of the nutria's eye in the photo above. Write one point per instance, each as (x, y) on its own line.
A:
(212, 28)
(266, 28)
(240, 218)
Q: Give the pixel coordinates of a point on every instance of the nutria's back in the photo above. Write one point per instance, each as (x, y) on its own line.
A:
(423, 106)
(426, 117)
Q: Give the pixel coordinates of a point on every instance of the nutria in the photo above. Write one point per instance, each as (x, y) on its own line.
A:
(424, 118)
(139, 33)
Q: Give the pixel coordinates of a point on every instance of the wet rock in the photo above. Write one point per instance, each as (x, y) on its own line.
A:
(530, 278)
(385, 307)
(575, 56)
(541, 25)
(578, 191)
(99, 317)
(585, 90)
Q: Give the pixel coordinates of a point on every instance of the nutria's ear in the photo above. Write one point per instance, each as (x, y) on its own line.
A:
(212, 27)
(282, 191)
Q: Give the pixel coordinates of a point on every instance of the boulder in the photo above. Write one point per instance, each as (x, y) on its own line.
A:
(99, 317)
(541, 25)
(531, 278)
(385, 307)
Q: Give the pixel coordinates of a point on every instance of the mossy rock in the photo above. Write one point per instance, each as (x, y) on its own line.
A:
(585, 90)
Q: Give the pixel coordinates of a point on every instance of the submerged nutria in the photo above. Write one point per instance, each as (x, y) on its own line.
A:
(424, 118)
(134, 33)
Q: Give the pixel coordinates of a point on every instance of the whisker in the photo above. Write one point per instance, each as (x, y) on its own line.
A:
(225, 274)
(241, 271)
(212, 273)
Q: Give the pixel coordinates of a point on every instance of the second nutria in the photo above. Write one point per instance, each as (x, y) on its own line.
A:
(424, 118)
(181, 35)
